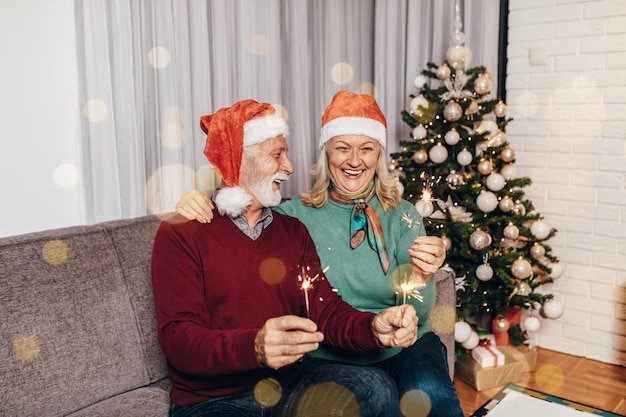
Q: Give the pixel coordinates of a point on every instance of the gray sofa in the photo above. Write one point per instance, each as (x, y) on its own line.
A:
(77, 326)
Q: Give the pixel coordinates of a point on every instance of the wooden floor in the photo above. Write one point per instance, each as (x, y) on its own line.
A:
(574, 378)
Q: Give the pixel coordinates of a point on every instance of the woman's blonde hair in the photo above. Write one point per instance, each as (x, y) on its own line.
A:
(386, 189)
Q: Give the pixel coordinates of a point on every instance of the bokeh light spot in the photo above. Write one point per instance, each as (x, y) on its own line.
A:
(172, 136)
(66, 175)
(442, 318)
(549, 378)
(55, 252)
(161, 191)
(328, 399)
(207, 178)
(173, 115)
(529, 102)
(27, 348)
(366, 88)
(272, 271)
(259, 45)
(342, 73)
(415, 403)
(95, 110)
(267, 392)
(159, 57)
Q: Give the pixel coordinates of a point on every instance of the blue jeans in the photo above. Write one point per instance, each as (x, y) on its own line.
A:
(423, 380)
(311, 387)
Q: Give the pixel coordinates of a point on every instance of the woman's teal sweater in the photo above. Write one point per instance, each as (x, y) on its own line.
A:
(356, 273)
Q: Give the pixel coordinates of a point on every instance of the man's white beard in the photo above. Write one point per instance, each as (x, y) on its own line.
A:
(261, 188)
(263, 191)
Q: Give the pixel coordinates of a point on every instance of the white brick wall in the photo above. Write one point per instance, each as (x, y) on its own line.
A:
(569, 134)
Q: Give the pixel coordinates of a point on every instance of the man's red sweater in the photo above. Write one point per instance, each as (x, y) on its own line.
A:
(214, 288)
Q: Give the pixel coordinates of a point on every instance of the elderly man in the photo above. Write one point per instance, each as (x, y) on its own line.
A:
(241, 300)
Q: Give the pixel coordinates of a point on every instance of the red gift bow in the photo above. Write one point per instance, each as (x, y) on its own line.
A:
(486, 343)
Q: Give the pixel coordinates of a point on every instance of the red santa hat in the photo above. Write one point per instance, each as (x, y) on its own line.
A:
(353, 114)
(245, 123)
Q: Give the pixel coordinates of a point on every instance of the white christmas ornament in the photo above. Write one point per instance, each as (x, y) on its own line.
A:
(462, 332)
(488, 127)
(557, 270)
(452, 137)
(472, 342)
(424, 208)
(438, 153)
(540, 229)
(552, 309)
(419, 101)
(495, 181)
(464, 158)
(419, 132)
(487, 201)
(532, 324)
(459, 56)
(419, 82)
(484, 272)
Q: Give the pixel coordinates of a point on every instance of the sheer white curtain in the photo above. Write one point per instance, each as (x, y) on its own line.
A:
(149, 69)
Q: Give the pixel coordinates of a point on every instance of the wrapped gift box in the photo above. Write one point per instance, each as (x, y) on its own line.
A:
(488, 355)
(523, 354)
(480, 378)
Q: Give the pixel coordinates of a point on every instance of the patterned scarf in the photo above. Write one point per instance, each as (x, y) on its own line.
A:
(363, 220)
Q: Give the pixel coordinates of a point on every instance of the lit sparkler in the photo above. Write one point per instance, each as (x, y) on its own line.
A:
(411, 289)
(307, 284)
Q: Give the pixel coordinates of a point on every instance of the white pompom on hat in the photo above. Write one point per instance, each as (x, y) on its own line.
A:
(245, 123)
(353, 114)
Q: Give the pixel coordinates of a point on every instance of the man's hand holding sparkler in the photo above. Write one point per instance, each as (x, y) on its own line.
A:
(396, 326)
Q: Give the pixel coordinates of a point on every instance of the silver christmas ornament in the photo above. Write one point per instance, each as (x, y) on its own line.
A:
(479, 239)
(452, 111)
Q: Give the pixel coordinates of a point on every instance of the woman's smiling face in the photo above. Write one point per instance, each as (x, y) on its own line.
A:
(352, 161)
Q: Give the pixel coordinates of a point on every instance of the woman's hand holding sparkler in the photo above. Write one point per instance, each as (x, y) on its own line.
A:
(427, 255)
(285, 340)
(396, 326)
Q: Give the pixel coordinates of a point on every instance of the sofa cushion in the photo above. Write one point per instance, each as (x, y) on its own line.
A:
(133, 240)
(142, 402)
(67, 328)
(444, 316)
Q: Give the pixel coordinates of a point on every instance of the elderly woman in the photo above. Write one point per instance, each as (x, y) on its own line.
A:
(373, 243)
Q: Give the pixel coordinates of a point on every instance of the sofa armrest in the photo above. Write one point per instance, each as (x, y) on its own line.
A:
(444, 316)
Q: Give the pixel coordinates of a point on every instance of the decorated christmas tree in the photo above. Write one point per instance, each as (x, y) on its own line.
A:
(459, 170)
